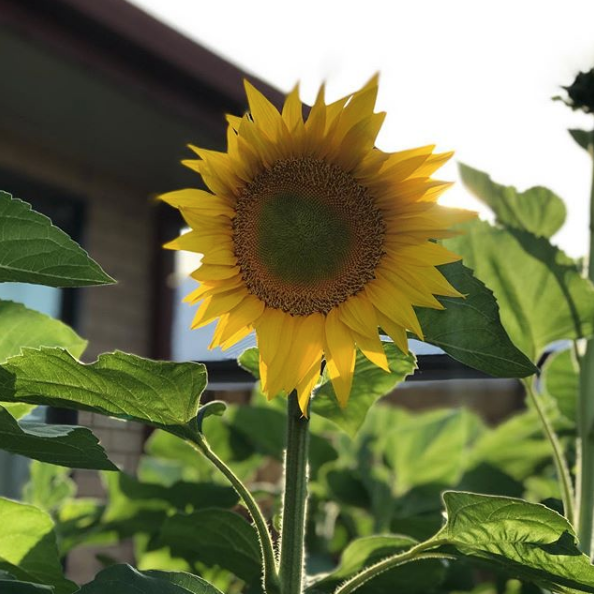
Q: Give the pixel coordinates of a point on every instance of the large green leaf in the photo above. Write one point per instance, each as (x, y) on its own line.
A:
(526, 540)
(123, 579)
(516, 447)
(158, 393)
(470, 329)
(537, 210)
(135, 507)
(21, 327)
(561, 380)
(10, 586)
(431, 448)
(32, 250)
(369, 384)
(65, 445)
(215, 537)
(48, 487)
(28, 546)
(421, 577)
(541, 294)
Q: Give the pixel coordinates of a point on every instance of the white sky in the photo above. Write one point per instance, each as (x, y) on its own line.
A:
(468, 75)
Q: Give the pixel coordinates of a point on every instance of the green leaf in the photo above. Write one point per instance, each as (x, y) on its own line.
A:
(28, 546)
(561, 380)
(421, 577)
(470, 329)
(10, 586)
(583, 138)
(541, 293)
(537, 210)
(48, 486)
(140, 507)
(215, 537)
(65, 445)
(78, 522)
(21, 327)
(123, 579)
(369, 384)
(526, 540)
(32, 250)
(431, 448)
(516, 447)
(158, 393)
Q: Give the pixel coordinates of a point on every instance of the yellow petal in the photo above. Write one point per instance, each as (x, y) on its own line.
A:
(265, 115)
(293, 109)
(393, 304)
(212, 288)
(215, 305)
(358, 314)
(306, 385)
(199, 243)
(371, 346)
(196, 199)
(426, 254)
(208, 272)
(433, 163)
(340, 356)
(239, 335)
(432, 280)
(222, 255)
(244, 314)
(407, 285)
(396, 332)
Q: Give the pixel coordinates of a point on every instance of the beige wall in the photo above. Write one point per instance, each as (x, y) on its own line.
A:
(119, 235)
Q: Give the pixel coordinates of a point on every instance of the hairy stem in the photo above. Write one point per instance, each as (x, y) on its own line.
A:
(561, 467)
(585, 488)
(270, 572)
(415, 554)
(295, 499)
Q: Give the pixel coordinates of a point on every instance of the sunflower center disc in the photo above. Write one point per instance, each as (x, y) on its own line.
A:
(307, 236)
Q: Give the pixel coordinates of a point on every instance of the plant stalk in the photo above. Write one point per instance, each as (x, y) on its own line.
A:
(561, 467)
(295, 499)
(585, 479)
(415, 554)
(270, 571)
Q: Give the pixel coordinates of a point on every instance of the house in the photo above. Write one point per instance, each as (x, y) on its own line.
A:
(98, 103)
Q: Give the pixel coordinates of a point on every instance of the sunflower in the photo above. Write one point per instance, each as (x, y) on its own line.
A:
(314, 238)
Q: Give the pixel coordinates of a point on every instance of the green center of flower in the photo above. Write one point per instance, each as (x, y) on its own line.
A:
(307, 236)
(302, 239)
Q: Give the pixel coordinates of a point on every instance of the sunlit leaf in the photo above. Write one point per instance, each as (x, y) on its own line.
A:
(470, 330)
(560, 377)
(22, 327)
(369, 384)
(413, 578)
(28, 546)
(526, 540)
(158, 393)
(431, 447)
(541, 294)
(65, 445)
(32, 250)
(537, 210)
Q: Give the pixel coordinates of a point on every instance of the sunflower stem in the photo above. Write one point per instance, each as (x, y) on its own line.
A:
(294, 500)
(269, 570)
(563, 474)
(585, 475)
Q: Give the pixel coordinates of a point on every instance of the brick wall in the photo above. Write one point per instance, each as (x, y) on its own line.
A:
(119, 235)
